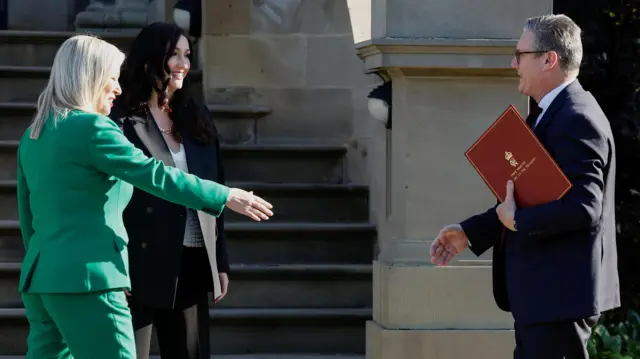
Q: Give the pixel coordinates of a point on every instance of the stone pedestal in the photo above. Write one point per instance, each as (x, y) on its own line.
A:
(122, 16)
(449, 64)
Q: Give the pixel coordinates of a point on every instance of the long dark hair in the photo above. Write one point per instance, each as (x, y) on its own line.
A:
(153, 47)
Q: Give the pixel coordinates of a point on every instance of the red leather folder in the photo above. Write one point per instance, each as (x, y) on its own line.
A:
(508, 149)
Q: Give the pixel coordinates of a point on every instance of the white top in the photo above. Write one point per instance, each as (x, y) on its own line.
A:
(193, 232)
(180, 158)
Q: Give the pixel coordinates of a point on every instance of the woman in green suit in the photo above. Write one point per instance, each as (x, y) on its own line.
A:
(76, 172)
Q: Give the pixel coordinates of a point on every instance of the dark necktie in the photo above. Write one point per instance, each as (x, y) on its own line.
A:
(534, 112)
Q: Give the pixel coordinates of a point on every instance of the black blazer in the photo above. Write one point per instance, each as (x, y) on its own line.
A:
(562, 261)
(156, 227)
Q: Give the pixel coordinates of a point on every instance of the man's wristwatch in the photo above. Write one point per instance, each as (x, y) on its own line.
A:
(515, 228)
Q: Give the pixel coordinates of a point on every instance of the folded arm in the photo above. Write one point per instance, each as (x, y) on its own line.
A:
(582, 152)
(112, 153)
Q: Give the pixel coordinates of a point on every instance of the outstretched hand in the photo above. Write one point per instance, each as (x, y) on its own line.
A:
(248, 204)
(450, 241)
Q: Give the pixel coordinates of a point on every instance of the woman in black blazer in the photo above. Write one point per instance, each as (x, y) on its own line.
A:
(176, 255)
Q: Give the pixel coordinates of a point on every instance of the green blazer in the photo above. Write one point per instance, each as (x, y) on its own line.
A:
(74, 182)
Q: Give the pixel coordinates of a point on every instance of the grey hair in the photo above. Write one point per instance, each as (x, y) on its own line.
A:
(81, 70)
(560, 34)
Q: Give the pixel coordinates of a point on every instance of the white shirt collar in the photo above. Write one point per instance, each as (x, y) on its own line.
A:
(548, 98)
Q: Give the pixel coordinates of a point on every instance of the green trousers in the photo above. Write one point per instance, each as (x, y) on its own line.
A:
(93, 325)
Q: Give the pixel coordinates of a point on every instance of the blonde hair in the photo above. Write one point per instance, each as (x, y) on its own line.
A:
(81, 70)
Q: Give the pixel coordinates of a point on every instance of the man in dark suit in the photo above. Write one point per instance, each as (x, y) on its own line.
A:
(554, 265)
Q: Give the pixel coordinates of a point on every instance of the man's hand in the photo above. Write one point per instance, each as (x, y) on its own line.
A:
(451, 241)
(507, 210)
(224, 286)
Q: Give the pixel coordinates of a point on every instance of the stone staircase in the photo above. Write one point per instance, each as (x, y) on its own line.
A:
(301, 283)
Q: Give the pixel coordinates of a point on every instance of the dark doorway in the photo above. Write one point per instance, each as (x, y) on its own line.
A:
(4, 14)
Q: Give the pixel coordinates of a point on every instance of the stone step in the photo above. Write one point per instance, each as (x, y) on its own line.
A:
(235, 123)
(38, 48)
(15, 117)
(264, 243)
(293, 202)
(248, 330)
(24, 83)
(251, 356)
(264, 163)
(263, 286)
(285, 163)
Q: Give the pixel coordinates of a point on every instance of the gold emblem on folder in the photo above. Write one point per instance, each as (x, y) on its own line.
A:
(509, 157)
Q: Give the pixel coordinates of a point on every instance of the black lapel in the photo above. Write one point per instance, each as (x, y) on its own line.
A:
(201, 159)
(556, 105)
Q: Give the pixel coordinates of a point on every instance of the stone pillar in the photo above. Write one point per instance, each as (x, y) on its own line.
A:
(449, 64)
(121, 16)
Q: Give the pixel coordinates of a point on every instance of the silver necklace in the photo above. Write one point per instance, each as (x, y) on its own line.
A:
(168, 131)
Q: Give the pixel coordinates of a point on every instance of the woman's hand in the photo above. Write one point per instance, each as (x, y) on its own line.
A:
(248, 204)
(224, 286)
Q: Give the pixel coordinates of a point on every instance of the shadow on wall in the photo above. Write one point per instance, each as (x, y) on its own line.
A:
(188, 15)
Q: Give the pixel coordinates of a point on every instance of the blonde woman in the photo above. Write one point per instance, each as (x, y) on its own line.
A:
(75, 175)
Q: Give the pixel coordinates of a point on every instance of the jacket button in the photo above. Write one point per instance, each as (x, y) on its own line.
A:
(149, 209)
(143, 245)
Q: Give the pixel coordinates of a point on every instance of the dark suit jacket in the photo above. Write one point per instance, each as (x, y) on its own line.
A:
(156, 227)
(562, 261)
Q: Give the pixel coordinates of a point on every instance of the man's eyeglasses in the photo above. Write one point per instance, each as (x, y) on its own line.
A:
(519, 53)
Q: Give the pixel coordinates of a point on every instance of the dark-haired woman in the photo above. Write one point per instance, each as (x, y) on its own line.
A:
(177, 256)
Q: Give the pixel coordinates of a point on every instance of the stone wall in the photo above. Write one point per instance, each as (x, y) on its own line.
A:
(296, 56)
(52, 15)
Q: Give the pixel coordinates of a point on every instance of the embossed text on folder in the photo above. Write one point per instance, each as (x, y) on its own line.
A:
(508, 149)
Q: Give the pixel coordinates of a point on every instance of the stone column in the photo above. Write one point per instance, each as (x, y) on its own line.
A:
(449, 64)
(121, 16)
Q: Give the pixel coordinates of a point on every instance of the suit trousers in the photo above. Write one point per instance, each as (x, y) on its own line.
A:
(556, 340)
(94, 325)
(182, 331)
